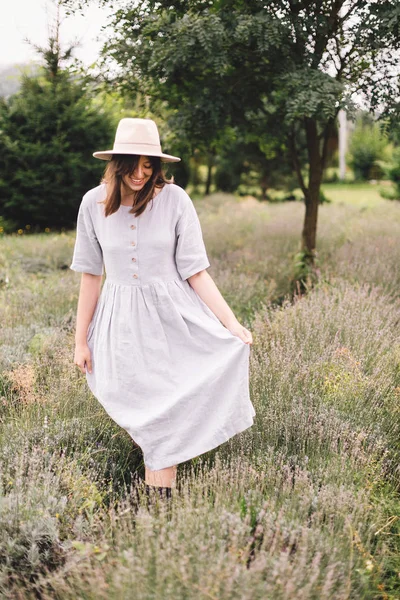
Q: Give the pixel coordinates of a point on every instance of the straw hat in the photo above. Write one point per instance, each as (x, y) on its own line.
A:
(136, 136)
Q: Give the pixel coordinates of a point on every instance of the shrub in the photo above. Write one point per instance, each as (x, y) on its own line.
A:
(367, 145)
(394, 173)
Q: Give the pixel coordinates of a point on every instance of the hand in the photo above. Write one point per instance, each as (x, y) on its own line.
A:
(83, 358)
(241, 332)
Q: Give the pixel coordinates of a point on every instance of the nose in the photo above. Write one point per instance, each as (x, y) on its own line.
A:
(138, 174)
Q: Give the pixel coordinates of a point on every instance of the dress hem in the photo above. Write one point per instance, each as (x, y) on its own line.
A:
(181, 458)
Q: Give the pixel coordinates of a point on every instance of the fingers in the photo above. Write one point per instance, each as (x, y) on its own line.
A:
(89, 365)
(248, 336)
(81, 368)
(244, 334)
(84, 364)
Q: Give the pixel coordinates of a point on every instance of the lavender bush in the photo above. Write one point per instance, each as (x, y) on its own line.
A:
(302, 505)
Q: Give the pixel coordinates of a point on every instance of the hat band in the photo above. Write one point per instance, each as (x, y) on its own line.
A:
(124, 146)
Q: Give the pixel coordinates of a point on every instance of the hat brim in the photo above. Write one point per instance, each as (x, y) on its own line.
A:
(108, 154)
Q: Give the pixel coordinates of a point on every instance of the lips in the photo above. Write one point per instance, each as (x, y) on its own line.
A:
(136, 181)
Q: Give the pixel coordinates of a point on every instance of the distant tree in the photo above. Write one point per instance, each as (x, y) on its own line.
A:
(283, 68)
(394, 174)
(367, 146)
(48, 131)
(251, 160)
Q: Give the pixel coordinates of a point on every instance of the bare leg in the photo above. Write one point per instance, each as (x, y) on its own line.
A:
(162, 478)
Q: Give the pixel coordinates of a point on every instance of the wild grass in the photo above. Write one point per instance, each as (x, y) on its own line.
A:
(303, 505)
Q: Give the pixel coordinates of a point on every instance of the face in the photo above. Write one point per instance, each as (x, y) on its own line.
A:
(136, 180)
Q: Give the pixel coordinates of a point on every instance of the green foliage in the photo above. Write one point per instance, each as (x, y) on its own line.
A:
(268, 70)
(206, 97)
(367, 146)
(48, 131)
(323, 199)
(227, 175)
(305, 272)
(235, 159)
(394, 173)
(310, 93)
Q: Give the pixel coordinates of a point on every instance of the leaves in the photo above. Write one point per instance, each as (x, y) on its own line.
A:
(48, 131)
(311, 93)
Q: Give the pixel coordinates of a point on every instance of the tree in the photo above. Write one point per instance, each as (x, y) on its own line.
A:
(282, 68)
(250, 161)
(394, 175)
(368, 145)
(48, 131)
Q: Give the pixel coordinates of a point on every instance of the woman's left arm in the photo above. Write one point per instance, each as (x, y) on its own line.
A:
(204, 286)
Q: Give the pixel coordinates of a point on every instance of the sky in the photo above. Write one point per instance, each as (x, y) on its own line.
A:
(30, 18)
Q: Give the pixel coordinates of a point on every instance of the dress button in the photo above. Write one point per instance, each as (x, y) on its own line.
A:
(134, 259)
(135, 275)
(133, 226)
(133, 243)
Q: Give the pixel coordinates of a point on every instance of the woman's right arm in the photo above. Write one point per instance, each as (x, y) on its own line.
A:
(88, 296)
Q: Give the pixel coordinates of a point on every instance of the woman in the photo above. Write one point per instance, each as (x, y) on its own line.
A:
(161, 349)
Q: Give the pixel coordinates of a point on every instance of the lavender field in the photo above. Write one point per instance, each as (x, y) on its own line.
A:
(304, 505)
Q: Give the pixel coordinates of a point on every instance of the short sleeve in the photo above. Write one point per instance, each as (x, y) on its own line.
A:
(190, 254)
(88, 255)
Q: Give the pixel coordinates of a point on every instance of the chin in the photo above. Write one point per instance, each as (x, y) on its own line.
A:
(134, 188)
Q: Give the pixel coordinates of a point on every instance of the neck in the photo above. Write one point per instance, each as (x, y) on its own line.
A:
(127, 196)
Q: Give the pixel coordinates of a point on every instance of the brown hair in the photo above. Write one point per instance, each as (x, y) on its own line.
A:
(125, 164)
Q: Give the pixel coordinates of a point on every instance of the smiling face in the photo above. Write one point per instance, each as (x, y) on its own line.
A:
(132, 180)
(140, 175)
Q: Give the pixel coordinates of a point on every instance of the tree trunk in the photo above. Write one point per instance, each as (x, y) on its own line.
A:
(209, 174)
(264, 186)
(316, 161)
(311, 194)
(309, 233)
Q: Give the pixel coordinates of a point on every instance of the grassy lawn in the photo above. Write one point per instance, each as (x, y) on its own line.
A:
(303, 505)
(358, 194)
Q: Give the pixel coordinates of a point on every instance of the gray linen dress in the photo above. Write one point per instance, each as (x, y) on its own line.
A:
(163, 366)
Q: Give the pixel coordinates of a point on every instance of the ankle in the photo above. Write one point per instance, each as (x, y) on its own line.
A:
(155, 485)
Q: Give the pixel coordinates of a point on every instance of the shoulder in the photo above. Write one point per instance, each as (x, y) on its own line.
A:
(92, 197)
(178, 197)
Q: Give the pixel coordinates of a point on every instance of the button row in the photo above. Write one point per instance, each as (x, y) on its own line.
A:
(135, 275)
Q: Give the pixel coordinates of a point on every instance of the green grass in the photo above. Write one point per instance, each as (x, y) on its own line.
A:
(304, 504)
(362, 194)
(358, 194)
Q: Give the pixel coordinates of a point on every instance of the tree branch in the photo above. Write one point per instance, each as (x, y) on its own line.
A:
(351, 9)
(332, 26)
